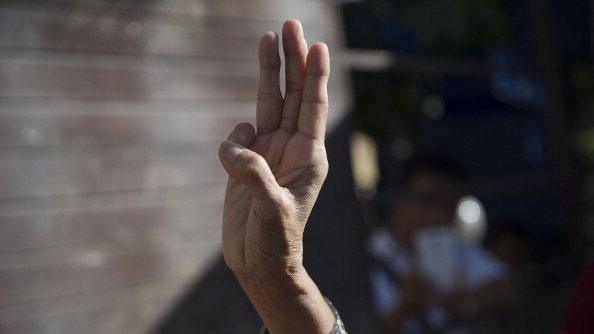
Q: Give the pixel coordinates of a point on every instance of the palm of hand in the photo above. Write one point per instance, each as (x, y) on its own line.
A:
(274, 183)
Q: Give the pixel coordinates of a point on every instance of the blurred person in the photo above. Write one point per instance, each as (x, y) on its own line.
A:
(425, 278)
(275, 174)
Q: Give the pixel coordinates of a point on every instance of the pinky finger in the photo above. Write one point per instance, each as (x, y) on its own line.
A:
(243, 134)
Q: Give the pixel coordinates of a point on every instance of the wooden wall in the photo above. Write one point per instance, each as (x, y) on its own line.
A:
(110, 117)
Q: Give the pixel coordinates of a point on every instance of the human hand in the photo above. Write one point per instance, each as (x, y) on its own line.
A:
(275, 175)
(276, 172)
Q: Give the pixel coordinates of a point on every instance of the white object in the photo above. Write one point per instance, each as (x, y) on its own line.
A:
(471, 219)
(439, 256)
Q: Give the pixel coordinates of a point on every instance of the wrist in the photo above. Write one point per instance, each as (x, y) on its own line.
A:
(270, 258)
(270, 269)
(284, 300)
(278, 289)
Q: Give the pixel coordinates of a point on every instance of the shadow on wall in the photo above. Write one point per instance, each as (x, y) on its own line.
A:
(334, 257)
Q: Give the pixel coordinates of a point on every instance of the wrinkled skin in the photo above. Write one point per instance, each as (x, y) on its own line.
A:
(276, 171)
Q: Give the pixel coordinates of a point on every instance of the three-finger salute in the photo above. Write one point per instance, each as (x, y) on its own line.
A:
(275, 172)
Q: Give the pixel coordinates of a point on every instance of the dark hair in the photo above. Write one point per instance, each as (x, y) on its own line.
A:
(399, 179)
(436, 163)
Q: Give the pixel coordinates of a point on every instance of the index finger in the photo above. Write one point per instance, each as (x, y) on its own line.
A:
(314, 101)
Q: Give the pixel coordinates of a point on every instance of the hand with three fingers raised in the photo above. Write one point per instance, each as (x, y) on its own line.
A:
(275, 174)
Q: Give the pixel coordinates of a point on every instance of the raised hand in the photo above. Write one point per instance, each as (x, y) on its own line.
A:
(275, 175)
(277, 171)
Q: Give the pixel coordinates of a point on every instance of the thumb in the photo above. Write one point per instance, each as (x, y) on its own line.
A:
(249, 168)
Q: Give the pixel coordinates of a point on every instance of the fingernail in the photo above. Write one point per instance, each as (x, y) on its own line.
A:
(229, 150)
(271, 35)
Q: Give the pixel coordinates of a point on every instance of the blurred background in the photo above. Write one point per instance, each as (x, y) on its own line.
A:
(111, 113)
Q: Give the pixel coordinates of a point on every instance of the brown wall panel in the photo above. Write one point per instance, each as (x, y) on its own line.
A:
(32, 178)
(76, 31)
(125, 310)
(101, 128)
(40, 310)
(309, 11)
(131, 123)
(92, 267)
(207, 80)
(25, 79)
(44, 229)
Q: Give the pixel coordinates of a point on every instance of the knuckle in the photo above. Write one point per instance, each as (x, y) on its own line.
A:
(285, 207)
(249, 165)
(265, 96)
(294, 86)
(322, 166)
(315, 99)
(270, 63)
(252, 167)
(320, 172)
(282, 208)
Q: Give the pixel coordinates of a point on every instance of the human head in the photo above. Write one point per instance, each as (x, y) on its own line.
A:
(425, 195)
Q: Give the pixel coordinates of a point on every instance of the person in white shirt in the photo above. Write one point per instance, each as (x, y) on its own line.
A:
(425, 278)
